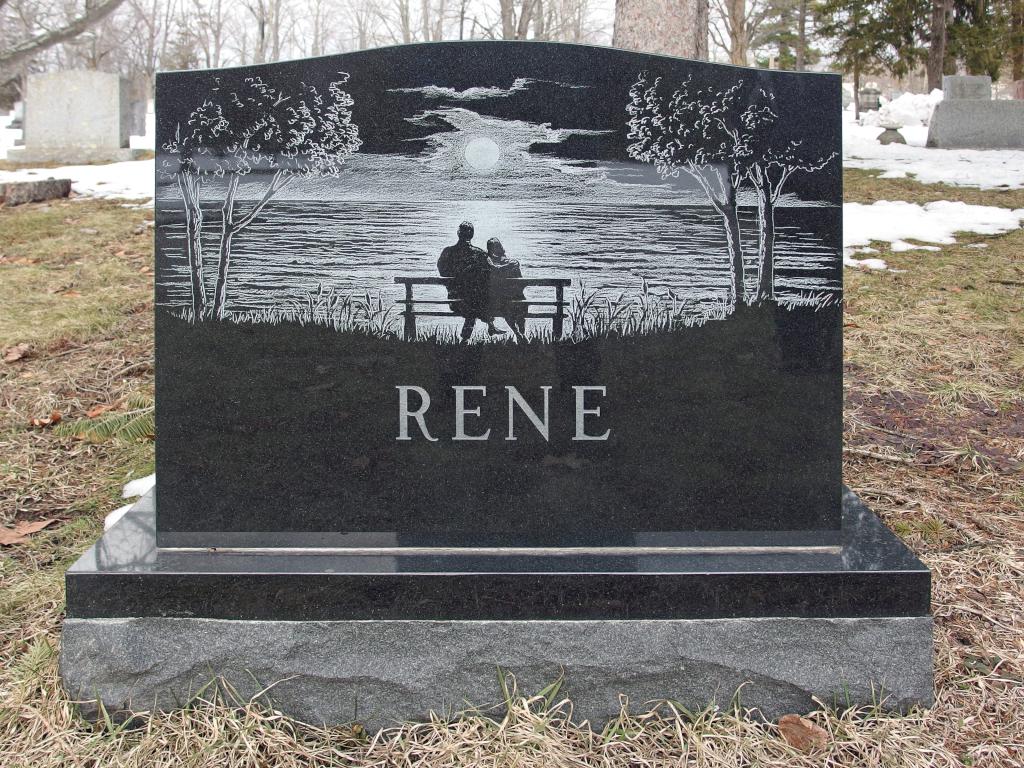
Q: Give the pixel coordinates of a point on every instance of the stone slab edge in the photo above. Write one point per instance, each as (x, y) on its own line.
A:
(21, 192)
(383, 672)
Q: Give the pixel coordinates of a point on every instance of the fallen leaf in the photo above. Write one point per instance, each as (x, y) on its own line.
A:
(92, 413)
(17, 352)
(46, 421)
(800, 733)
(21, 531)
(70, 294)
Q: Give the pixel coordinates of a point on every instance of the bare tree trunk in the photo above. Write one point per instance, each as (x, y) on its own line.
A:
(734, 243)
(227, 232)
(765, 245)
(508, 19)
(937, 43)
(801, 37)
(189, 188)
(674, 27)
(1017, 40)
(739, 35)
(26, 49)
(231, 226)
(856, 90)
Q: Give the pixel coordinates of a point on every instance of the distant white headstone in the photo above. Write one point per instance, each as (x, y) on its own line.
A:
(75, 117)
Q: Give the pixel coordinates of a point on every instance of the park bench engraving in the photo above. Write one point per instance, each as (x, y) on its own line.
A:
(410, 313)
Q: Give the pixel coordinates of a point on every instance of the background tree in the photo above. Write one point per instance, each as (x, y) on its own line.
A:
(939, 14)
(253, 130)
(780, 38)
(674, 27)
(27, 35)
(735, 26)
(979, 35)
(1015, 41)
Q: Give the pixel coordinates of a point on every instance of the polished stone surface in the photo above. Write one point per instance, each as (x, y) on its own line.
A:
(382, 672)
(872, 573)
(282, 416)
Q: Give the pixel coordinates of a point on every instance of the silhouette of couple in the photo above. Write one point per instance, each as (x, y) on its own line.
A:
(481, 289)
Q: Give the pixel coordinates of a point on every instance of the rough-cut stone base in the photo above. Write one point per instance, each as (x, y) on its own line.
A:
(379, 672)
(72, 155)
(20, 192)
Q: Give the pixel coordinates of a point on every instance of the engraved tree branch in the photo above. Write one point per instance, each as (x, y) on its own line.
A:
(767, 160)
(723, 139)
(262, 132)
(686, 133)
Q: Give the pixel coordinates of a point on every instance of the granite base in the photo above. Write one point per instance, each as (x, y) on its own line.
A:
(385, 637)
(379, 673)
(72, 155)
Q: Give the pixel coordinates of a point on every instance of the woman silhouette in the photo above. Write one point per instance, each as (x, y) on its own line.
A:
(507, 298)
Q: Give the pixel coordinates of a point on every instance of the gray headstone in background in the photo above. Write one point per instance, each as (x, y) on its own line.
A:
(17, 115)
(966, 87)
(75, 117)
(975, 124)
(138, 117)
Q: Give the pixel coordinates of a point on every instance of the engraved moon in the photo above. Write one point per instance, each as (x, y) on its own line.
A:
(482, 153)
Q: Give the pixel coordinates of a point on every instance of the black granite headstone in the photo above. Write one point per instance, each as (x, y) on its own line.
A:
(541, 343)
(637, 341)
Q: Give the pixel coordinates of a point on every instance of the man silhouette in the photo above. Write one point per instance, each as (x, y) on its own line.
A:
(470, 289)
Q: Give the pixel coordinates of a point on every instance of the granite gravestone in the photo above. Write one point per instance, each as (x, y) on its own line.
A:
(530, 352)
(75, 117)
(968, 117)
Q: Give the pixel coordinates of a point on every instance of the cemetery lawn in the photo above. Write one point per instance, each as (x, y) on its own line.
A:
(934, 441)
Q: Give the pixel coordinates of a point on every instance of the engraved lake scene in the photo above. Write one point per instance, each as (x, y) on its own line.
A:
(638, 245)
(499, 297)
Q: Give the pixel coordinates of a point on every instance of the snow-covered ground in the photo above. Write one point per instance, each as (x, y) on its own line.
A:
(132, 490)
(984, 168)
(910, 109)
(895, 222)
(131, 180)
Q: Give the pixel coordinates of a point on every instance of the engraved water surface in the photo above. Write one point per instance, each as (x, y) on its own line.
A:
(299, 248)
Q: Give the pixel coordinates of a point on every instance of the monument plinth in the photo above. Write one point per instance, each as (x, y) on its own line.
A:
(466, 347)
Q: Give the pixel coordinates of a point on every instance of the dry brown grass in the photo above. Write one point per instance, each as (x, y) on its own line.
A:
(935, 431)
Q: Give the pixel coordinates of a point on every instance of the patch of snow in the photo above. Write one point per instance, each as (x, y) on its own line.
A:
(147, 140)
(895, 222)
(132, 179)
(139, 487)
(7, 135)
(909, 109)
(984, 168)
(849, 261)
(902, 245)
(111, 520)
(977, 245)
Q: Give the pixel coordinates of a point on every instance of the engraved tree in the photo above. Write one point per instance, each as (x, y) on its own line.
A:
(724, 140)
(685, 133)
(767, 159)
(258, 134)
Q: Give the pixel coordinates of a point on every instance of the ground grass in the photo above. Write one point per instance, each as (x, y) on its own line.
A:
(934, 441)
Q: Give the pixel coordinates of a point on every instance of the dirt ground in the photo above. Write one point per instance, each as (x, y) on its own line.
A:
(934, 441)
